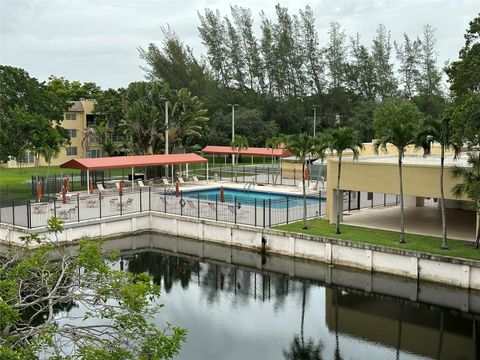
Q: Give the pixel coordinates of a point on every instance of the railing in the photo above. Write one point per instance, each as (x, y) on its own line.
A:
(256, 211)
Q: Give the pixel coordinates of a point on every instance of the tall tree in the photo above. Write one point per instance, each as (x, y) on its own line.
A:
(429, 79)
(385, 82)
(26, 107)
(313, 55)
(464, 74)
(396, 123)
(439, 131)
(175, 64)
(341, 140)
(336, 55)
(408, 55)
(213, 33)
(470, 186)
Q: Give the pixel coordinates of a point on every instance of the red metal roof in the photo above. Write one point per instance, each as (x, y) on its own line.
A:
(131, 161)
(251, 151)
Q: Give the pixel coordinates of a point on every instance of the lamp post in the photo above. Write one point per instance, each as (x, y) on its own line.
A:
(166, 128)
(233, 118)
(315, 118)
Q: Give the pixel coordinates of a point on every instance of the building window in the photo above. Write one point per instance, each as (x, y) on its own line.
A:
(71, 151)
(28, 158)
(72, 133)
(95, 153)
(91, 121)
(70, 116)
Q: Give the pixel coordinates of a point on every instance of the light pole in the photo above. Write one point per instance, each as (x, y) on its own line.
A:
(166, 129)
(315, 118)
(233, 118)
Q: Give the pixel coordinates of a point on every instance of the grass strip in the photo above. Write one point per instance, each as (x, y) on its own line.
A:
(421, 243)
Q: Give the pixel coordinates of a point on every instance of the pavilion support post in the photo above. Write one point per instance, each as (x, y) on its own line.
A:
(88, 181)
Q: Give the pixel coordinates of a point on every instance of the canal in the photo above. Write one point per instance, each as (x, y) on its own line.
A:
(237, 304)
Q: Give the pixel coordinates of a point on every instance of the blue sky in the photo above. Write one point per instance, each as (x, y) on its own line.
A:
(97, 40)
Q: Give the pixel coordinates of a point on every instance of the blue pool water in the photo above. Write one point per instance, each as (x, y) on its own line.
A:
(250, 197)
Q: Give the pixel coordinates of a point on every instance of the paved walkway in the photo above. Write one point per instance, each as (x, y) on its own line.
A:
(418, 220)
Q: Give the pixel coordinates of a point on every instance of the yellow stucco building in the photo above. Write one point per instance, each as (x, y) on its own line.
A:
(77, 119)
(421, 181)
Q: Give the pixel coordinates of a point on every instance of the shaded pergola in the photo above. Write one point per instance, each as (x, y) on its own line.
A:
(250, 151)
(120, 162)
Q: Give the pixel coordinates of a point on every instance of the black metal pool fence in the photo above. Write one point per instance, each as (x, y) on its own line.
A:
(257, 212)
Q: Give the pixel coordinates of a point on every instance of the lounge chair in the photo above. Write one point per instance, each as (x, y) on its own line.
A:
(141, 184)
(101, 188)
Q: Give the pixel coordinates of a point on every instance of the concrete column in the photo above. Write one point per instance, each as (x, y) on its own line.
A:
(414, 201)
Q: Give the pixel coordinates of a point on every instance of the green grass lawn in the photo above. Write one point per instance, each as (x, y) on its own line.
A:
(427, 244)
(14, 183)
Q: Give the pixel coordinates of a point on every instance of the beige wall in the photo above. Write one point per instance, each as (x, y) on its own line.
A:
(418, 180)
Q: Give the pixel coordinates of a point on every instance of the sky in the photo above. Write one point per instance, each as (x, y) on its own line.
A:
(98, 40)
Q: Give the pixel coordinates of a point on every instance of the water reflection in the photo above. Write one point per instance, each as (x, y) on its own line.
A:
(237, 305)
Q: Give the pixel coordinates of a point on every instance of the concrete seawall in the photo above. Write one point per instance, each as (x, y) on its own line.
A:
(442, 269)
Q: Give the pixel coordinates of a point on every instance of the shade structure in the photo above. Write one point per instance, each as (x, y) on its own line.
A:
(222, 194)
(119, 162)
(39, 191)
(251, 151)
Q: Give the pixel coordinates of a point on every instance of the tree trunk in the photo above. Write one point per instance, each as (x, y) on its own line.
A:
(442, 200)
(339, 198)
(402, 220)
(305, 226)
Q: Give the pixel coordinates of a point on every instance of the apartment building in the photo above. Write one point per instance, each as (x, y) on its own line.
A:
(77, 120)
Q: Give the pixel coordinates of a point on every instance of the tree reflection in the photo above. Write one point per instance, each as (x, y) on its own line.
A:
(299, 348)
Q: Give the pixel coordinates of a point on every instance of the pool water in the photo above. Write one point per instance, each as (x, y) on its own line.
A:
(251, 197)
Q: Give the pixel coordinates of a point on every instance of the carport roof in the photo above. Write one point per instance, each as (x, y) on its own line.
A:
(251, 151)
(119, 162)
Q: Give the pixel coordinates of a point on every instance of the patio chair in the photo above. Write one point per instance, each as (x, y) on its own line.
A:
(101, 188)
(141, 184)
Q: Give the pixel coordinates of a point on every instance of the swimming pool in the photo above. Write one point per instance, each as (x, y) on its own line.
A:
(251, 197)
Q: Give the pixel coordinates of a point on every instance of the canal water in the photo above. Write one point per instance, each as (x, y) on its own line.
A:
(237, 304)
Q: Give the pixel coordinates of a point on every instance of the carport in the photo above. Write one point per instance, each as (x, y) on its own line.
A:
(120, 162)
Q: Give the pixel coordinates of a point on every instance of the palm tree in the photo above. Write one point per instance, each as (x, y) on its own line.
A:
(439, 131)
(340, 140)
(397, 123)
(89, 137)
(188, 117)
(274, 143)
(239, 143)
(303, 146)
(470, 187)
